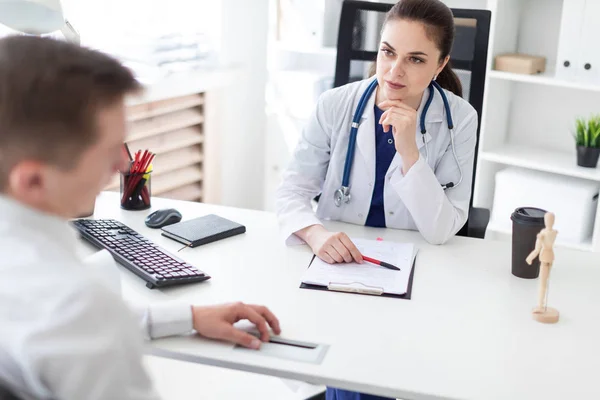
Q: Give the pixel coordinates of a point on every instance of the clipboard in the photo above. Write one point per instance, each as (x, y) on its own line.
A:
(358, 288)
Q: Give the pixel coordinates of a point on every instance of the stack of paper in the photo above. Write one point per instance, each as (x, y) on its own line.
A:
(370, 277)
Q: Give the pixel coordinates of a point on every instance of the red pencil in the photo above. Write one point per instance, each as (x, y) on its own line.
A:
(381, 263)
(143, 161)
(135, 162)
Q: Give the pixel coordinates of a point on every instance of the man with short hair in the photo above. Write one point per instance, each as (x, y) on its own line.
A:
(65, 333)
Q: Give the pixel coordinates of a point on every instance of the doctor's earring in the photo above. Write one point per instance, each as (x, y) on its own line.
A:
(434, 77)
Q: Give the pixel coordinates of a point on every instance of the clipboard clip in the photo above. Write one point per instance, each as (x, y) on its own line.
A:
(355, 287)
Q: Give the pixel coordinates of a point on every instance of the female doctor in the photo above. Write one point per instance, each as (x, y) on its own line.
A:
(410, 163)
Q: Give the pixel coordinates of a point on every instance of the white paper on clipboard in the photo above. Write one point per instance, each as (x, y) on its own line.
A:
(367, 277)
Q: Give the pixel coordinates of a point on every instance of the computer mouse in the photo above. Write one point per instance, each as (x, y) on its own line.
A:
(163, 217)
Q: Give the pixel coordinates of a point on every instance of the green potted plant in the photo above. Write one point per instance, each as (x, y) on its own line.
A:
(587, 138)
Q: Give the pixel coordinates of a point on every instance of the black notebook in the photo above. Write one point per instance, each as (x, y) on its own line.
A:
(202, 230)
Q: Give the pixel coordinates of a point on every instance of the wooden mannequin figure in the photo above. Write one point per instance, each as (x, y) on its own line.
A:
(544, 248)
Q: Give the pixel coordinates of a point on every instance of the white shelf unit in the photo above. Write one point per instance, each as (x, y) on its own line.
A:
(546, 78)
(539, 159)
(528, 120)
(181, 118)
(173, 130)
(500, 232)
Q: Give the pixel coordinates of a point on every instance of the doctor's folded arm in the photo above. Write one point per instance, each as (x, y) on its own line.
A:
(395, 150)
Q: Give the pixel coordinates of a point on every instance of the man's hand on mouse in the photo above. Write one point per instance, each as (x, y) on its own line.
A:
(216, 322)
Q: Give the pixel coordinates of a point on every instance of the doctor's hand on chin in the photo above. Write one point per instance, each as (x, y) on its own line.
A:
(402, 119)
(331, 247)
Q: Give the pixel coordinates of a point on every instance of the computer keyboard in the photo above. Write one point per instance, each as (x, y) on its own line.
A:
(156, 266)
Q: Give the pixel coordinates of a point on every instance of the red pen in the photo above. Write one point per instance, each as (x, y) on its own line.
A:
(381, 263)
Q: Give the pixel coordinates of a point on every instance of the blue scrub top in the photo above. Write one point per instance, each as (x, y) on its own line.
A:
(339, 394)
(384, 153)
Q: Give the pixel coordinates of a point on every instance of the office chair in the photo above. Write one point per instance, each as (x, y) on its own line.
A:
(468, 58)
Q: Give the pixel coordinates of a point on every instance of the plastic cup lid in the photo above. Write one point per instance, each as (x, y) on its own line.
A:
(529, 215)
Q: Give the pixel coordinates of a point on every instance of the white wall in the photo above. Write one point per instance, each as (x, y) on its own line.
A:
(244, 42)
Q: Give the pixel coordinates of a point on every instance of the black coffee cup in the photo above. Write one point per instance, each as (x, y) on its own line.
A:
(527, 223)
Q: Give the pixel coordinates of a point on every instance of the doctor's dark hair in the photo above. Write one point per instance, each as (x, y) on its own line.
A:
(439, 27)
(50, 94)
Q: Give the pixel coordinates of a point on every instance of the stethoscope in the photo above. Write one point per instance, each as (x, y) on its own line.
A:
(342, 195)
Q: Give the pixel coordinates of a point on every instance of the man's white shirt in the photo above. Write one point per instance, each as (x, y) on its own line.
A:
(65, 331)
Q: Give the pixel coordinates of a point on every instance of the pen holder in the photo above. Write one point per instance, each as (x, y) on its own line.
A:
(136, 191)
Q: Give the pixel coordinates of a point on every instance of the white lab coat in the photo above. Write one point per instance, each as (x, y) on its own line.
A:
(412, 201)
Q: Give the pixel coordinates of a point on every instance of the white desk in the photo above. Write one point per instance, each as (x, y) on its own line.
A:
(467, 333)
(179, 380)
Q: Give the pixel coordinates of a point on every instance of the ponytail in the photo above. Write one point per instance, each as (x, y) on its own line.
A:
(372, 69)
(448, 80)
